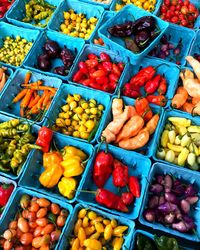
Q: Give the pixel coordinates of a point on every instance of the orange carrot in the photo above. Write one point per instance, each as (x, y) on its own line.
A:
(35, 100)
(195, 100)
(131, 128)
(24, 103)
(20, 95)
(180, 98)
(136, 142)
(152, 124)
(188, 107)
(34, 87)
(27, 77)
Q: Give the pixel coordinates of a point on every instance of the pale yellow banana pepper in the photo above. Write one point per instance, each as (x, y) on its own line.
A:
(179, 121)
(175, 148)
(183, 157)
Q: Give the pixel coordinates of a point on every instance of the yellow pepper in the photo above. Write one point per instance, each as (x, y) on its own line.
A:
(89, 230)
(175, 148)
(181, 130)
(164, 138)
(77, 226)
(194, 129)
(179, 121)
(81, 236)
(72, 167)
(93, 244)
(70, 150)
(183, 157)
(119, 230)
(75, 245)
(51, 158)
(95, 236)
(51, 176)
(67, 186)
(108, 232)
(117, 243)
(194, 149)
(99, 227)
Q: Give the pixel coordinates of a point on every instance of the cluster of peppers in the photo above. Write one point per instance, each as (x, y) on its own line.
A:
(4, 6)
(15, 144)
(105, 165)
(5, 193)
(151, 83)
(61, 169)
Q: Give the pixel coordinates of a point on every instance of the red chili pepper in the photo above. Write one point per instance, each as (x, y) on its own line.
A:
(134, 186)
(143, 109)
(102, 168)
(110, 200)
(120, 174)
(107, 66)
(5, 193)
(92, 56)
(44, 138)
(100, 66)
(113, 77)
(95, 85)
(91, 63)
(121, 66)
(78, 76)
(104, 57)
(159, 100)
(127, 198)
(131, 91)
(116, 70)
(143, 76)
(88, 82)
(152, 85)
(107, 87)
(83, 67)
(102, 80)
(98, 73)
(162, 89)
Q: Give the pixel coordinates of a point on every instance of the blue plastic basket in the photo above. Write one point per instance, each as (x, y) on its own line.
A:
(87, 94)
(7, 181)
(97, 50)
(34, 131)
(7, 29)
(129, 13)
(170, 72)
(64, 243)
(174, 33)
(114, 2)
(106, 16)
(13, 207)
(34, 167)
(9, 73)
(195, 48)
(188, 177)
(147, 150)
(169, 113)
(79, 7)
(133, 161)
(18, 12)
(96, 3)
(13, 88)
(74, 44)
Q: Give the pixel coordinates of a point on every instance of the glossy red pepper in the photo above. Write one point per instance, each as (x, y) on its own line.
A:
(107, 66)
(143, 76)
(83, 67)
(127, 198)
(102, 80)
(152, 85)
(108, 87)
(131, 90)
(5, 193)
(88, 82)
(143, 109)
(162, 89)
(92, 56)
(91, 63)
(159, 100)
(110, 200)
(78, 76)
(120, 174)
(113, 77)
(104, 57)
(44, 138)
(116, 70)
(121, 66)
(134, 186)
(102, 168)
(98, 73)
(95, 85)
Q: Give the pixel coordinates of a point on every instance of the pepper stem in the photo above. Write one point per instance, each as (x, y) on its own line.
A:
(86, 191)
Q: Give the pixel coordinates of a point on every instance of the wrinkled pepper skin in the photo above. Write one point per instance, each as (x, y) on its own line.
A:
(165, 243)
(51, 176)
(67, 187)
(5, 193)
(44, 138)
(72, 167)
(70, 150)
(120, 174)
(51, 158)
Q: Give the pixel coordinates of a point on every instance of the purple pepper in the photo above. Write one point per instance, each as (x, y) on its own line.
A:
(192, 199)
(168, 183)
(149, 215)
(185, 225)
(156, 188)
(190, 190)
(167, 207)
(185, 206)
(153, 201)
(171, 198)
(169, 218)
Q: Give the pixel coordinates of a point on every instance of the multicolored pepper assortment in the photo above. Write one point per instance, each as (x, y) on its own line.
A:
(92, 231)
(38, 224)
(5, 193)
(148, 5)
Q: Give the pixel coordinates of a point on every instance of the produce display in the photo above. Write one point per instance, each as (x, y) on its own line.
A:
(131, 127)
(38, 13)
(96, 232)
(5, 193)
(181, 12)
(171, 202)
(35, 98)
(38, 224)
(79, 117)
(5, 6)
(143, 29)
(99, 72)
(53, 51)
(187, 97)
(147, 83)
(77, 24)
(148, 5)
(3, 77)
(14, 50)
(16, 141)
(180, 143)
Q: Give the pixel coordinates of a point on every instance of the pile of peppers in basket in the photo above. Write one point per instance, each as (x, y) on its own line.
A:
(147, 80)
(106, 165)
(5, 193)
(15, 144)
(143, 29)
(4, 6)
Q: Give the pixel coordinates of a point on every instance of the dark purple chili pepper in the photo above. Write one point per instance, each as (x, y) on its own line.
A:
(185, 206)
(171, 198)
(149, 215)
(168, 183)
(190, 191)
(169, 218)
(192, 199)
(156, 188)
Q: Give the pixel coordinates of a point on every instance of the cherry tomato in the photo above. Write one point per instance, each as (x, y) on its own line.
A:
(7, 245)
(37, 231)
(26, 239)
(13, 225)
(184, 10)
(32, 224)
(186, 3)
(174, 19)
(48, 229)
(172, 7)
(174, 2)
(167, 2)
(31, 216)
(25, 213)
(18, 233)
(164, 9)
(42, 202)
(34, 207)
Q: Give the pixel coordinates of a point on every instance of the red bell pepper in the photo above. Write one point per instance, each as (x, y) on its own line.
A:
(5, 193)
(134, 186)
(44, 138)
(120, 174)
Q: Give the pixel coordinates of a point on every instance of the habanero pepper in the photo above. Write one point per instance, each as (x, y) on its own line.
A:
(127, 198)
(51, 158)
(44, 138)
(162, 89)
(143, 109)
(131, 91)
(134, 186)
(159, 100)
(104, 57)
(152, 85)
(120, 174)
(102, 168)
(5, 193)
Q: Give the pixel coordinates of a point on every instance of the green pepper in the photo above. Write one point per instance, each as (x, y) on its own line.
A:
(26, 138)
(11, 147)
(144, 243)
(10, 124)
(166, 243)
(23, 127)
(3, 169)
(9, 133)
